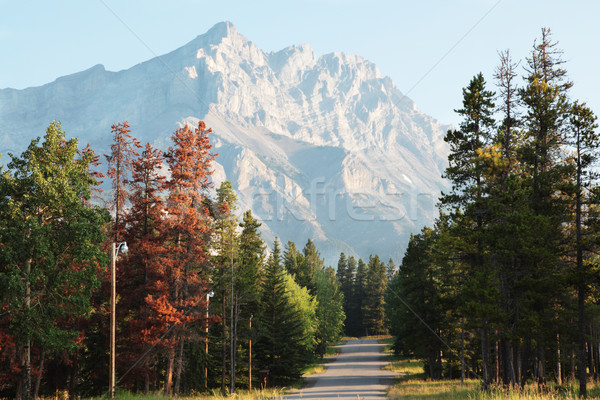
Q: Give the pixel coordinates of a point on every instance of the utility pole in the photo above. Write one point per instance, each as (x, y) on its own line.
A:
(114, 252)
(27, 369)
(250, 355)
(113, 297)
(208, 296)
(231, 329)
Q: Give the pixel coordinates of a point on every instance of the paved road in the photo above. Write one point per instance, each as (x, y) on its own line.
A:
(354, 374)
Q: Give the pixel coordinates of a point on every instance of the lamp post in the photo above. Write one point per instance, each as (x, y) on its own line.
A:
(208, 296)
(114, 252)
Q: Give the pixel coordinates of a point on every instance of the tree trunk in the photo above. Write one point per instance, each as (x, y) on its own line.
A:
(541, 366)
(510, 360)
(146, 382)
(497, 355)
(74, 378)
(234, 343)
(38, 379)
(250, 355)
(27, 350)
(558, 364)
(519, 362)
(179, 366)
(573, 365)
(484, 357)
(462, 350)
(169, 372)
(224, 346)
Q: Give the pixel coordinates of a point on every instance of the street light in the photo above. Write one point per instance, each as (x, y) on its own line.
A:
(113, 297)
(208, 296)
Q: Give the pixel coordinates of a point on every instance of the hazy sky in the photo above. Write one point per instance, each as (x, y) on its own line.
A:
(430, 48)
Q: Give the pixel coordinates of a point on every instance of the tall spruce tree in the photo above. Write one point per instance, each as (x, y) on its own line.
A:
(279, 331)
(583, 136)
(374, 301)
(466, 203)
(545, 103)
(330, 310)
(360, 286)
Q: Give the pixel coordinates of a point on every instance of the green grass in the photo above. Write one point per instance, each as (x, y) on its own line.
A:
(413, 384)
(214, 395)
(317, 367)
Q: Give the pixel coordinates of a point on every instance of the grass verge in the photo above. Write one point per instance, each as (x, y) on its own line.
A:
(213, 395)
(412, 384)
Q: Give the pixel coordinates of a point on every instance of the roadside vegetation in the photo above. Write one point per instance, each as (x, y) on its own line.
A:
(414, 384)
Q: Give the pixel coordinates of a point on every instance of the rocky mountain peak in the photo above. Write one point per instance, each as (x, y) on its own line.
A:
(321, 147)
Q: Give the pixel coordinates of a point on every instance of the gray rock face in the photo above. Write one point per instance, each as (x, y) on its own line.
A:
(320, 147)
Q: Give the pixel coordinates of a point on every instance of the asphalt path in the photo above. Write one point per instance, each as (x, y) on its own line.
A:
(355, 373)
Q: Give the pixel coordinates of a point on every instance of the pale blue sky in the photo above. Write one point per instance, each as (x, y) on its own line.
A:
(42, 40)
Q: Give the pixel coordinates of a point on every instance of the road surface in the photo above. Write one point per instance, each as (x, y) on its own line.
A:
(354, 374)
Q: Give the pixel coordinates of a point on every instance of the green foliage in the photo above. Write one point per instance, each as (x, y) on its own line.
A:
(330, 310)
(304, 305)
(374, 302)
(281, 340)
(47, 221)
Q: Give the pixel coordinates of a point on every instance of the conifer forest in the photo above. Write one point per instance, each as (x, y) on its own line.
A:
(503, 287)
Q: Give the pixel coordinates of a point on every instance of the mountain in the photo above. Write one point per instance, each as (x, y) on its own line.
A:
(321, 147)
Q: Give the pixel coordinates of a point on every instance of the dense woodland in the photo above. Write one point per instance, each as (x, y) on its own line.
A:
(196, 276)
(504, 287)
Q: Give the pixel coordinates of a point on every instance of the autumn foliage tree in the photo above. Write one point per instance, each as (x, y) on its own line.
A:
(179, 295)
(123, 151)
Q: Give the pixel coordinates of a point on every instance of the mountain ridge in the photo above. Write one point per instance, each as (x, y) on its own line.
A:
(302, 138)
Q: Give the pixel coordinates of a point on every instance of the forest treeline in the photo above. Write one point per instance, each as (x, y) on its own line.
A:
(504, 287)
(201, 303)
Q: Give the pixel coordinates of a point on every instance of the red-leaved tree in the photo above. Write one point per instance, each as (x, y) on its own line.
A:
(123, 150)
(183, 268)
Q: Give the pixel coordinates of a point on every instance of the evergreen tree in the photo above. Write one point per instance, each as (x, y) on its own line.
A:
(330, 310)
(185, 257)
(585, 139)
(249, 272)
(544, 98)
(392, 270)
(351, 305)
(123, 151)
(374, 301)
(226, 257)
(279, 330)
(360, 286)
(414, 304)
(466, 203)
(292, 258)
(308, 267)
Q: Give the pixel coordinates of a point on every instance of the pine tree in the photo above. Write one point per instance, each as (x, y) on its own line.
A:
(360, 287)
(123, 151)
(329, 311)
(351, 306)
(251, 256)
(280, 331)
(545, 111)
(311, 263)
(374, 300)
(466, 203)
(226, 246)
(188, 230)
(292, 258)
(417, 286)
(139, 271)
(584, 138)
